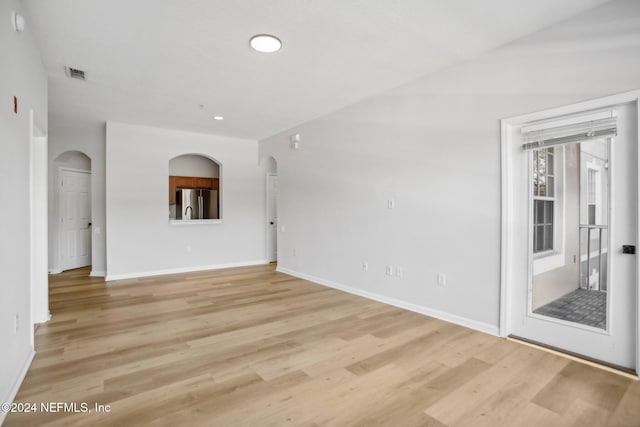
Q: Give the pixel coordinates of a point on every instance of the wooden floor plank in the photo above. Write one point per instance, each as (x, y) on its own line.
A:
(251, 346)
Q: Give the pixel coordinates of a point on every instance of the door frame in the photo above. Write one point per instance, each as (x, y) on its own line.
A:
(509, 268)
(268, 193)
(59, 204)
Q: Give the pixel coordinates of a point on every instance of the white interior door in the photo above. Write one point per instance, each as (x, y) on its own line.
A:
(548, 251)
(272, 217)
(75, 219)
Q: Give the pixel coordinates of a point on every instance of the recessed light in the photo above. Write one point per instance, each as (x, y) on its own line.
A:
(218, 118)
(265, 43)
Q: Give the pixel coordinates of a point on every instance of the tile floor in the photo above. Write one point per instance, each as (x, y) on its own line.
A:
(581, 306)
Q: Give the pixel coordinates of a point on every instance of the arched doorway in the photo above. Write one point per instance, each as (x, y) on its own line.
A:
(70, 216)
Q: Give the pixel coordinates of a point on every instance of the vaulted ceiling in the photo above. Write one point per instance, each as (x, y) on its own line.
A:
(177, 63)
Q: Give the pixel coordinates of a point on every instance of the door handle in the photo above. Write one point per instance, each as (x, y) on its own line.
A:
(89, 225)
(271, 223)
(629, 249)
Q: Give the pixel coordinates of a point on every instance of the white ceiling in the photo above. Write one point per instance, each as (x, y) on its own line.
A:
(154, 62)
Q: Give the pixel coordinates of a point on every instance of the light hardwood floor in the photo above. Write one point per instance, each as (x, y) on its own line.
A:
(250, 346)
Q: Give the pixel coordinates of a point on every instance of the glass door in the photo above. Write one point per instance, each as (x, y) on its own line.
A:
(579, 202)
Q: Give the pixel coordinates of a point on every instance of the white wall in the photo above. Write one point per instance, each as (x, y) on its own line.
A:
(140, 239)
(39, 229)
(89, 139)
(193, 165)
(21, 75)
(434, 146)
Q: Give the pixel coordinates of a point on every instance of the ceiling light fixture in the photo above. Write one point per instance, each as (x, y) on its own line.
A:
(218, 118)
(265, 43)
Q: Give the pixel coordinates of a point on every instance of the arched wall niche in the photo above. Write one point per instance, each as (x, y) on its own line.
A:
(194, 188)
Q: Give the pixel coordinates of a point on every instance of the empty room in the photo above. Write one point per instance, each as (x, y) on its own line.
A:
(320, 213)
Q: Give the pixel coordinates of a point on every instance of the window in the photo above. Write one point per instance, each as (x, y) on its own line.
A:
(591, 195)
(543, 167)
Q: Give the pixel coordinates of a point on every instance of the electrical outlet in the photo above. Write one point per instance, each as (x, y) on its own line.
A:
(16, 323)
(399, 272)
(188, 248)
(294, 252)
(365, 266)
(442, 279)
(391, 204)
(389, 270)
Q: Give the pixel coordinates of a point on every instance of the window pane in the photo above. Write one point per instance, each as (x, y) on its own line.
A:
(535, 173)
(548, 237)
(582, 198)
(591, 186)
(542, 185)
(539, 240)
(548, 212)
(539, 212)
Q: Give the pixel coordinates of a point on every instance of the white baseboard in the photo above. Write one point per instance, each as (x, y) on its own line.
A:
(43, 319)
(458, 320)
(111, 277)
(94, 273)
(18, 382)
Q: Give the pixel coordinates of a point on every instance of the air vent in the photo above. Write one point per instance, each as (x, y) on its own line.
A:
(74, 73)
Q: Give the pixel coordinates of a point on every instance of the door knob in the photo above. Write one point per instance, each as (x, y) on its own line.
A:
(89, 225)
(271, 223)
(628, 249)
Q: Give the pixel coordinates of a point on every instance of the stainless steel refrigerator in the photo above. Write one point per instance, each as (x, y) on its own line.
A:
(194, 204)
